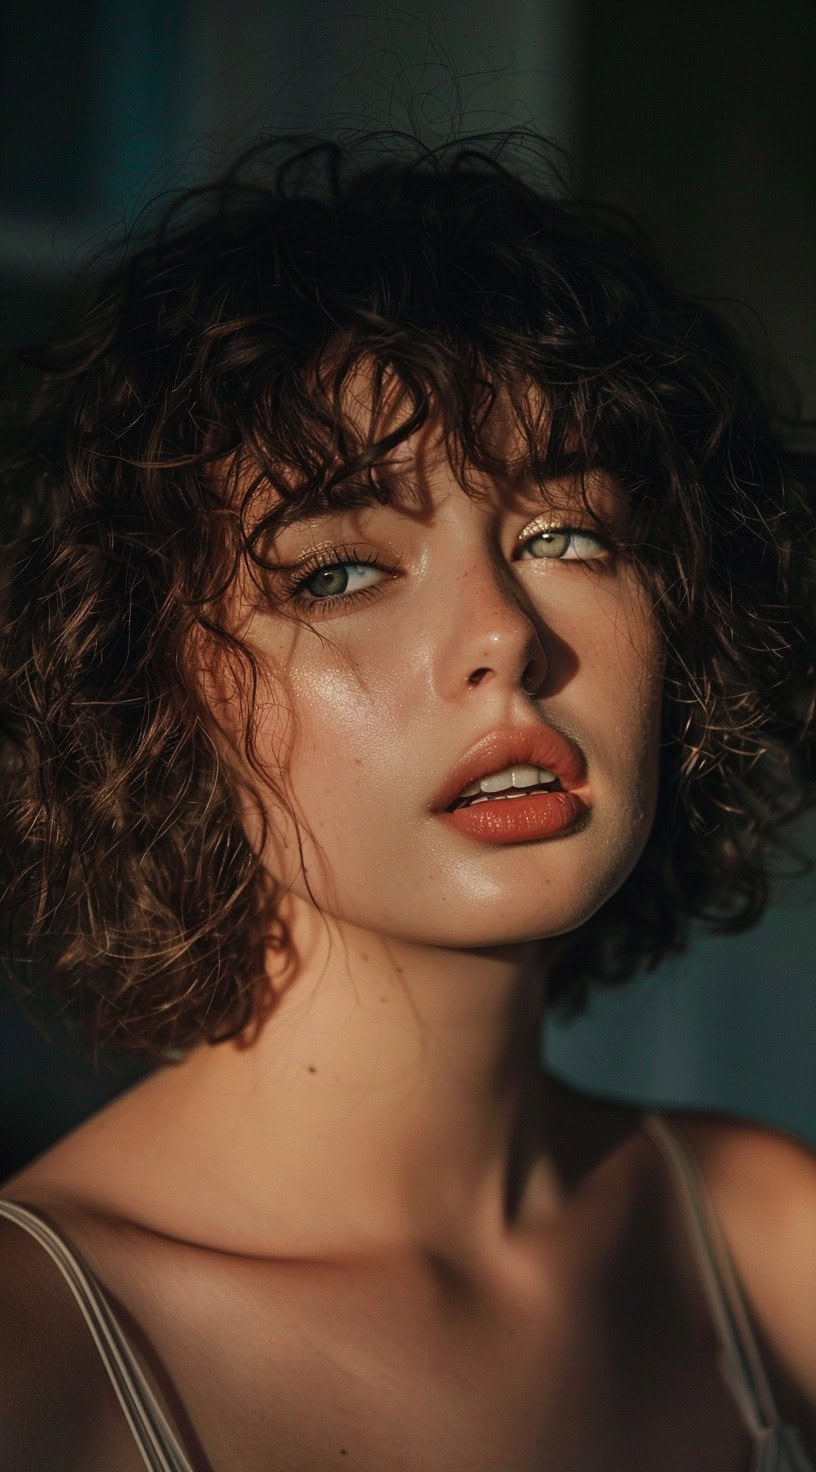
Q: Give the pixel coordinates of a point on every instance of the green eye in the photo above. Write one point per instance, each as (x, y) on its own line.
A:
(563, 544)
(337, 578)
(327, 582)
(549, 544)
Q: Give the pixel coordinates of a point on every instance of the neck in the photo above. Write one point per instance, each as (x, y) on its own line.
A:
(393, 1096)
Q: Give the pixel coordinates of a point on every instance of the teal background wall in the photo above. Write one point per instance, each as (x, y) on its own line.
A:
(729, 1027)
(697, 115)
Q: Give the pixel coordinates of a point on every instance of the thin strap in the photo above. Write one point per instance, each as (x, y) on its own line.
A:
(740, 1358)
(156, 1441)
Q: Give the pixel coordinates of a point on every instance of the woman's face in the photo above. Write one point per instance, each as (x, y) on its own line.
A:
(411, 650)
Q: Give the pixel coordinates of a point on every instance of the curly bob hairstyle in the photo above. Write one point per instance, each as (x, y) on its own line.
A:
(207, 370)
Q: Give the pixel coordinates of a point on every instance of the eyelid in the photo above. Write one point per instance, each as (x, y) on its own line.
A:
(356, 549)
(549, 523)
(314, 552)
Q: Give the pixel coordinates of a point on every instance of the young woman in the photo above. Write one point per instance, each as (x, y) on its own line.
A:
(407, 628)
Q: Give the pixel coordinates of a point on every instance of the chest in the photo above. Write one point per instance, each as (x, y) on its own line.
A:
(399, 1370)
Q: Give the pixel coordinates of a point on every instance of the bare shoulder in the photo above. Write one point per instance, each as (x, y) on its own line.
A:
(57, 1405)
(769, 1176)
(763, 1185)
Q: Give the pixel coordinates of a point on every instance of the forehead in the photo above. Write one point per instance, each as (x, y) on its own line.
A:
(382, 439)
(376, 405)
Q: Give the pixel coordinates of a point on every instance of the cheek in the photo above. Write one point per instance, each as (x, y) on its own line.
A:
(345, 724)
(341, 765)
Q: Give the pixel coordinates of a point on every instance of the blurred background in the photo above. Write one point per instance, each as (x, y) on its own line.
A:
(698, 116)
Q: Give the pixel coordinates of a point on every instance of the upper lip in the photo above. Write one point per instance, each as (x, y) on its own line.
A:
(535, 746)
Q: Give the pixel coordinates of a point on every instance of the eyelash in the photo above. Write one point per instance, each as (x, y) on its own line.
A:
(334, 557)
(352, 557)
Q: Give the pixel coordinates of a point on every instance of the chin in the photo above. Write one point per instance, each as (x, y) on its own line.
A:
(477, 924)
(554, 909)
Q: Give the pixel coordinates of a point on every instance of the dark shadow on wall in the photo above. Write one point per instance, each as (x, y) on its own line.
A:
(700, 119)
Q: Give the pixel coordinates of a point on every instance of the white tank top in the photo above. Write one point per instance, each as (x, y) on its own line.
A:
(778, 1446)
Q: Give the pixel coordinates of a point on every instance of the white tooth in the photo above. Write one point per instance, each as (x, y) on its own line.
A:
(525, 776)
(498, 782)
(511, 777)
(521, 776)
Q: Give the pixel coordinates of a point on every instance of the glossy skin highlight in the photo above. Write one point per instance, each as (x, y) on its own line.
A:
(453, 624)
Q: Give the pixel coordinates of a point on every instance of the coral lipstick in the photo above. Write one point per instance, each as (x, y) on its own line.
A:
(521, 819)
(539, 772)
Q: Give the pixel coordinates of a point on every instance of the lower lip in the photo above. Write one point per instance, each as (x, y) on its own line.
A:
(518, 819)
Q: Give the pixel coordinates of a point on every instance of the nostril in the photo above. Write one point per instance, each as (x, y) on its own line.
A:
(478, 675)
(532, 675)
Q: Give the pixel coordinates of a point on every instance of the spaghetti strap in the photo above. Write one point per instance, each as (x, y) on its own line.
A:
(156, 1441)
(778, 1448)
(778, 1445)
(740, 1357)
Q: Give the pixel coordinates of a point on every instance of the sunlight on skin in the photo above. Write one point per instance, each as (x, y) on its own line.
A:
(394, 1076)
(383, 711)
(376, 706)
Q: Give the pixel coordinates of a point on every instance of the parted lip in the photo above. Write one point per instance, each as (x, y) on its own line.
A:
(513, 746)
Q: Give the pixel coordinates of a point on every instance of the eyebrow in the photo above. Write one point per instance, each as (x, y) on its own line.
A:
(386, 487)
(397, 486)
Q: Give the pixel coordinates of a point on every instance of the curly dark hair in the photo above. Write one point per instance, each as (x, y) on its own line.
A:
(208, 366)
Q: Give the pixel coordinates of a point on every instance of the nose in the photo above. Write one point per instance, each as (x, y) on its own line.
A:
(490, 636)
